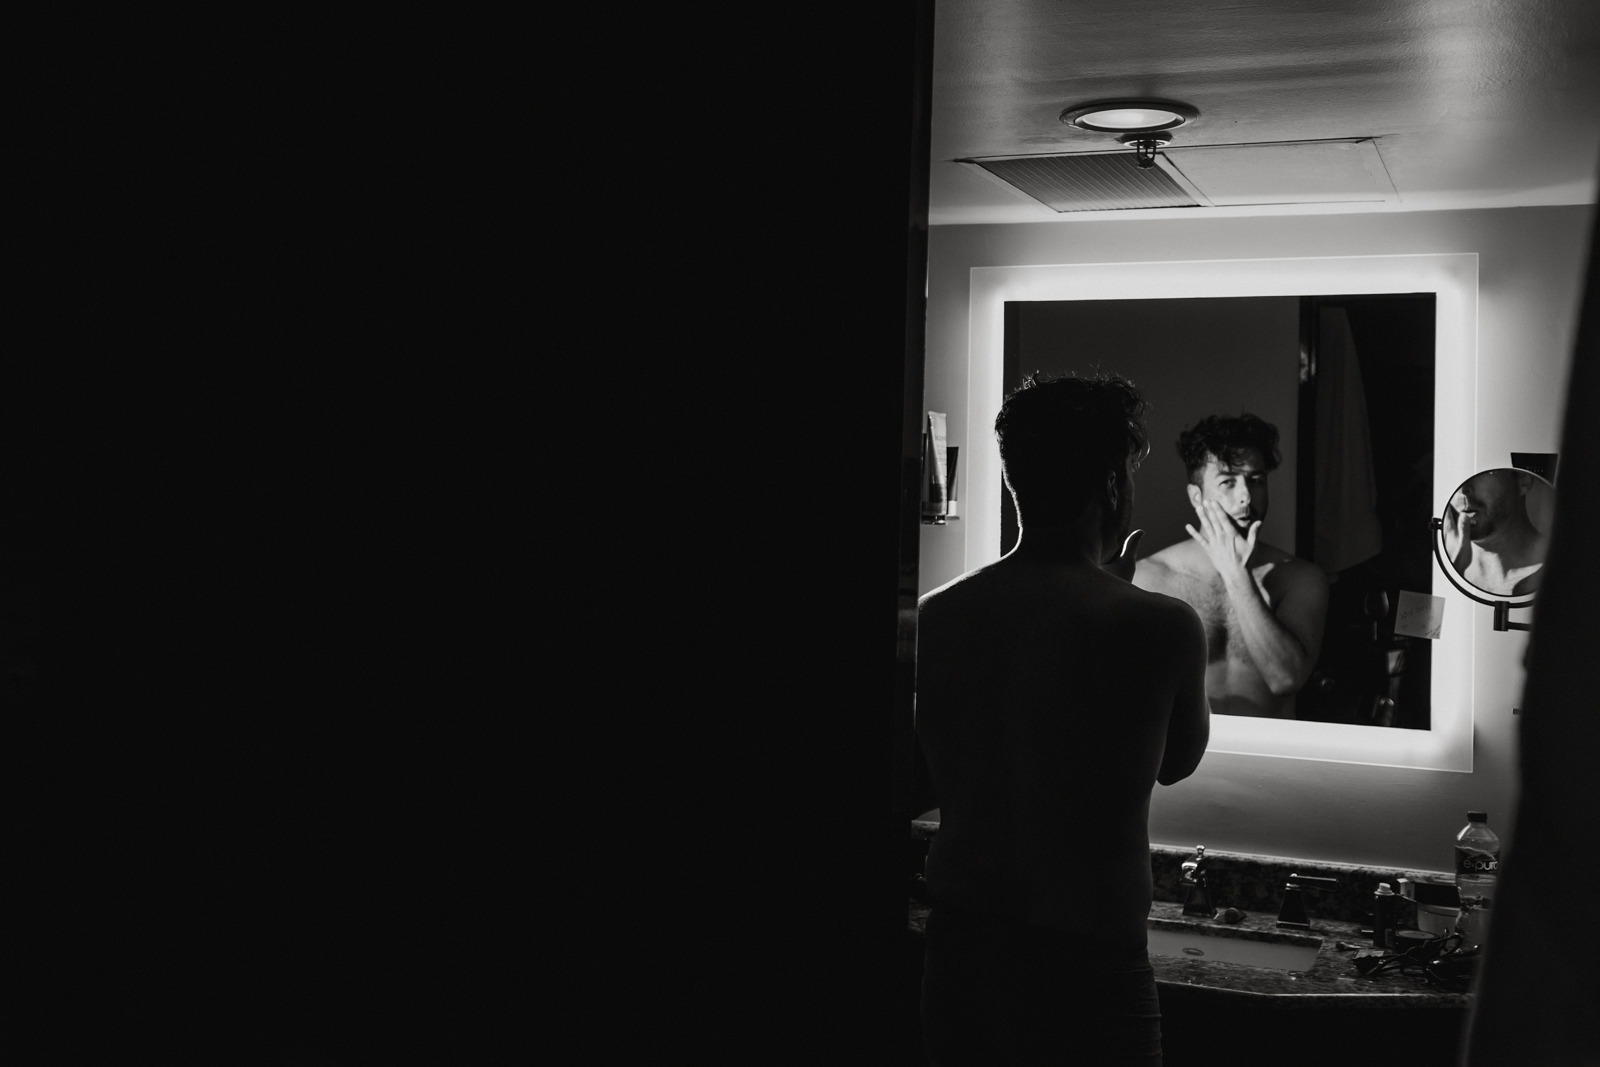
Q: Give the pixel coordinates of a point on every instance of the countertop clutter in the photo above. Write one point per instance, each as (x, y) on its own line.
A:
(1254, 886)
(1333, 978)
(1332, 981)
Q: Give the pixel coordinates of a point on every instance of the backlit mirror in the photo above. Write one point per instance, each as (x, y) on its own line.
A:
(1412, 323)
(1340, 381)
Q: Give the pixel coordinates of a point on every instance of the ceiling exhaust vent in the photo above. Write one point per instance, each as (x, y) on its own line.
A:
(1102, 181)
(1338, 171)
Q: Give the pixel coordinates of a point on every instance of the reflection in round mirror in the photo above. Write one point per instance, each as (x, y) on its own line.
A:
(1495, 530)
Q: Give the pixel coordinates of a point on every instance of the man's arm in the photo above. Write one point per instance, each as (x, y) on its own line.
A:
(1189, 726)
(1283, 639)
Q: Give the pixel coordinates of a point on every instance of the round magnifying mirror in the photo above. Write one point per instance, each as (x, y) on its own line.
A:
(1495, 530)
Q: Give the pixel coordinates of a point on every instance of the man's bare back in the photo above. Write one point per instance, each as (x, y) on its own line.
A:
(1051, 699)
(1235, 684)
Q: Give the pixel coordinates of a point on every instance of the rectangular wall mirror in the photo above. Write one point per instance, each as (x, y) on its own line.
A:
(1302, 343)
(1345, 380)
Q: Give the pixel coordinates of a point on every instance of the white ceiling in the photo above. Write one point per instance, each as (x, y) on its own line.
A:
(1472, 103)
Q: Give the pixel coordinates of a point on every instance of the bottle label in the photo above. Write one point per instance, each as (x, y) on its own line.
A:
(1476, 863)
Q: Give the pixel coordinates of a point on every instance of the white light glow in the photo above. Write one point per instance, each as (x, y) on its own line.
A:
(1454, 280)
(1130, 118)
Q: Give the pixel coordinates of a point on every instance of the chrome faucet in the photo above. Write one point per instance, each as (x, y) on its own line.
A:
(1292, 913)
(1196, 893)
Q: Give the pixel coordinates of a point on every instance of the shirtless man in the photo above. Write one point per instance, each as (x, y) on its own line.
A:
(1263, 609)
(1488, 536)
(1051, 696)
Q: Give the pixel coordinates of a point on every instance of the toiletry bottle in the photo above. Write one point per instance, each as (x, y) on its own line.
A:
(1477, 870)
(1383, 905)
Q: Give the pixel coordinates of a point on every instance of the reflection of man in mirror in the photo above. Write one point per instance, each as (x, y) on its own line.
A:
(1263, 609)
(1488, 536)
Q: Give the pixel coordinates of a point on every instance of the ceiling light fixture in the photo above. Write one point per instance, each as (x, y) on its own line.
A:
(1140, 123)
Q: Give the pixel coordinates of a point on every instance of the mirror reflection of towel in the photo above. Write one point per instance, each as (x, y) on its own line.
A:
(1348, 530)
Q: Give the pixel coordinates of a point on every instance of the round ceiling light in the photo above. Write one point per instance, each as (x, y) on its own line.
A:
(1129, 116)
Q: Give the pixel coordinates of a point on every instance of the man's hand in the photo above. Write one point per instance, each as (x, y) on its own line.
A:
(1122, 563)
(1220, 538)
(1457, 539)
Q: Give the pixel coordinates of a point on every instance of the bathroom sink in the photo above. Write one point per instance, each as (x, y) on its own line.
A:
(1279, 951)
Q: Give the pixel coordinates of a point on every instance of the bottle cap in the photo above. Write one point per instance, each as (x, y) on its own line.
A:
(1477, 816)
(1384, 890)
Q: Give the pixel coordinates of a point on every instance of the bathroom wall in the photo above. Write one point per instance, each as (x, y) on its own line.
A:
(1530, 275)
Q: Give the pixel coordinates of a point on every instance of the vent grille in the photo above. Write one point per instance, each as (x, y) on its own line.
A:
(1097, 182)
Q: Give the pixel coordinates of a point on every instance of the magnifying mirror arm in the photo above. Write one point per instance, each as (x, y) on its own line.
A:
(1502, 608)
(1502, 617)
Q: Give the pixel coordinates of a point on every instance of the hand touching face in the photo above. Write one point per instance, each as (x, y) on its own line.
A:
(1238, 487)
(1219, 535)
(1458, 537)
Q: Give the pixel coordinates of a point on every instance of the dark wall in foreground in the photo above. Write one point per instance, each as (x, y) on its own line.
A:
(1534, 999)
(373, 574)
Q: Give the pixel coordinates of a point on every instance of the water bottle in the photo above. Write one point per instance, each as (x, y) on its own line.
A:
(1477, 870)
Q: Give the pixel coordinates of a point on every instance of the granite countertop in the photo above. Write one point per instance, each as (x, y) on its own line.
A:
(1332, 981)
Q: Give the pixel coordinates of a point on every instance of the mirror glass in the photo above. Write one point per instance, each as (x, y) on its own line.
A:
(1495, 528)
(1452, 278)
(1347, 381)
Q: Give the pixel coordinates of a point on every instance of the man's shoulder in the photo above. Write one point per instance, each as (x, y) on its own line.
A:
(1163, 618)
(961, 587)
(1159, 588)
(1170, 564)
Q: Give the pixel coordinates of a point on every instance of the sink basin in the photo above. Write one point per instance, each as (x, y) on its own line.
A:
(1279, 951)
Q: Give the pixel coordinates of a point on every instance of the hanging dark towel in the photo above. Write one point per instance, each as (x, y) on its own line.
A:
(1348, 530)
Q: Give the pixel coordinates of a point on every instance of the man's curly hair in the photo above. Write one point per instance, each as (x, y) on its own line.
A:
(1227, 437)
(1060, 435)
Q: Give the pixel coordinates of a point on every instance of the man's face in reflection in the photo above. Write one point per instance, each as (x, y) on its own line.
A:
(1239, 487)
(1489, 500)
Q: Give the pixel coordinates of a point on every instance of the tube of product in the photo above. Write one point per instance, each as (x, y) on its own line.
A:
(951, 507)
(935, 491)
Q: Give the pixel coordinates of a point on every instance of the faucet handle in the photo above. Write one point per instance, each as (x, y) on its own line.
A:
(1196, 894)
(1292, 912)
(1308, 881)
